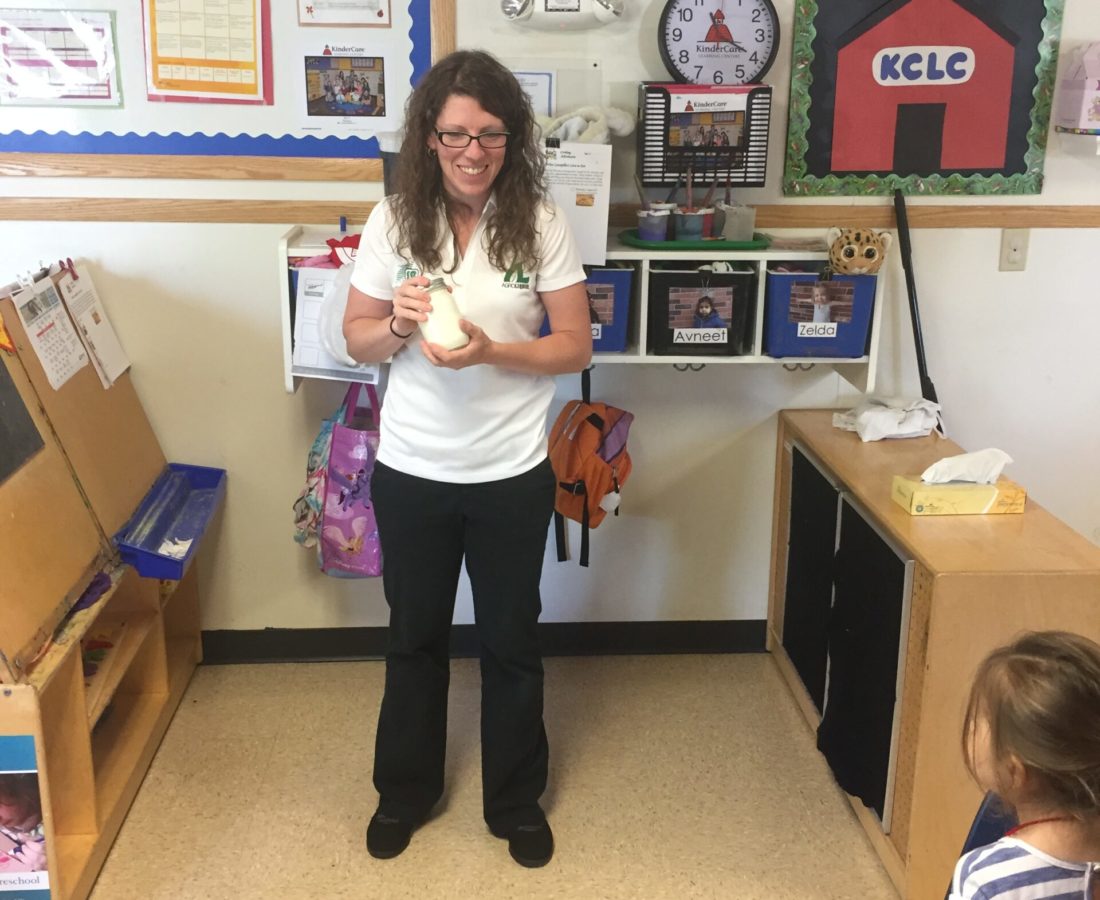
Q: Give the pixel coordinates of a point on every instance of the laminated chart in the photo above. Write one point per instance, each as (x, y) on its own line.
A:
(205, 49)
(58, 59)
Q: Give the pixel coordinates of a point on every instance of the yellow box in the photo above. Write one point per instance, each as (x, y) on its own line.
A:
(957, 498)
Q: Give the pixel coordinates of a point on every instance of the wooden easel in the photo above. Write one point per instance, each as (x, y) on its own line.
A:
(58, 512)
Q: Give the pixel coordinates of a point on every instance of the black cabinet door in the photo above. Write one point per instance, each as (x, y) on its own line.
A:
(810, 547)
(865, 631)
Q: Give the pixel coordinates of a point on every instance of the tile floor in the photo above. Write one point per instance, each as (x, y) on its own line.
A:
(671, 777)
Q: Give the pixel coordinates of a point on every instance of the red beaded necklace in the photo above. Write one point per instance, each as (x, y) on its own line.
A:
(1028, 824)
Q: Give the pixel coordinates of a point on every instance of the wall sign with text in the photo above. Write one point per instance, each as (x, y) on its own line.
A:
(930, 96)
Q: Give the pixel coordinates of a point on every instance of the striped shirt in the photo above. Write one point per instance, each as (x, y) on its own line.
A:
(1013, 870)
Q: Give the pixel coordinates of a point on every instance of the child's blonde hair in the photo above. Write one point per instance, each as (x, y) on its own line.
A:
(1040, 697)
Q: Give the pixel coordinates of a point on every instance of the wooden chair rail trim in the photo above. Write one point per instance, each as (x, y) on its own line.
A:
(242, 168)
(787, 215)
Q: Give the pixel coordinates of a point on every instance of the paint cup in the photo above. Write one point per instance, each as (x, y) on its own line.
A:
(707, 212)
(689, 225)
(653, 224)
(740, 222)
(670, 208)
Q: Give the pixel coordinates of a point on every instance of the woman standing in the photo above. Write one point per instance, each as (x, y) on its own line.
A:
(462, 472)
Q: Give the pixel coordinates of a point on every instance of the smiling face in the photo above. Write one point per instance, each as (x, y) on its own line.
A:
(468, 172)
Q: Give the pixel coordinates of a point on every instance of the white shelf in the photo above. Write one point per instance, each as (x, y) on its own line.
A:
(304, 241)
(860, 371)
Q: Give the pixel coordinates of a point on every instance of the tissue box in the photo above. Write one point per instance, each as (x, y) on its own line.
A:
(957, 498)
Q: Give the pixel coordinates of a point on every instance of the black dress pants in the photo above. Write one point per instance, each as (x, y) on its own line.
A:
(426, 529)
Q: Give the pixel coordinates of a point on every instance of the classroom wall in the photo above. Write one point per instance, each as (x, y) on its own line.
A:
(196, 306)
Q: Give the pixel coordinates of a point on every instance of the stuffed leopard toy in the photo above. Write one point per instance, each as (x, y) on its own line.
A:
(857, 251)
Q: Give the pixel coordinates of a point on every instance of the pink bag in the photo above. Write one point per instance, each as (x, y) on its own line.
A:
(349, 545)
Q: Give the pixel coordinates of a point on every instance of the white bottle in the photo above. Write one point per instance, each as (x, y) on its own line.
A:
(442, 325)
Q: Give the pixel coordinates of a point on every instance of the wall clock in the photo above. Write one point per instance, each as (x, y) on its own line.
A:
(718, 41)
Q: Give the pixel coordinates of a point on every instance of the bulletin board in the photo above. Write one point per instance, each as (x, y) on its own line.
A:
(335, 89)
(929, 96)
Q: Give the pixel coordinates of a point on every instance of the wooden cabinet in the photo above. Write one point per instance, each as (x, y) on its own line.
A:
(91, 735)
(877, 621)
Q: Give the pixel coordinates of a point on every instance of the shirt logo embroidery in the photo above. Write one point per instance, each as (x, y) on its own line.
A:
(514, 277)
(405, 270)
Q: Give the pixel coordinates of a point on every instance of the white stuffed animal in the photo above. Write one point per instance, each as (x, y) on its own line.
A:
(588, 125)
(579, 15)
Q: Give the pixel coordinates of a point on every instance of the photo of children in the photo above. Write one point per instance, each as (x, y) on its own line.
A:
(699, 307)
(22, 833)
(720, 129)
(821, 301)
(345, 86)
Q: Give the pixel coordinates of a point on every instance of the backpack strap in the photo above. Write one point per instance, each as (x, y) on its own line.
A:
(586, 385)
(559, 536)
(576, 487)
(584, 533)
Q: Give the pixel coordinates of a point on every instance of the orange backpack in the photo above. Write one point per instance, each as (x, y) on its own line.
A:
(591, 464)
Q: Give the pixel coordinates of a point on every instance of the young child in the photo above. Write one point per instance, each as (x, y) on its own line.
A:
(1032, 735)
(22, 836)
(823, 308)
(706, 316)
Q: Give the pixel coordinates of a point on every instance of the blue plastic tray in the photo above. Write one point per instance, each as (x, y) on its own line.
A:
(177, 509)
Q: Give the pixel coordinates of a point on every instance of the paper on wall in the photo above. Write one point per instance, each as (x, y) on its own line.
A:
(108, 357)
(579, 178)
(50, 332)
(310, 358)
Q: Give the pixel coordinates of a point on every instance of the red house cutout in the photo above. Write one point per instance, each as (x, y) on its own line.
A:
(923, 86)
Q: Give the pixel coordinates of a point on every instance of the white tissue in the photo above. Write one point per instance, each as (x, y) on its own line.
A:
(895, 417)
(980, 467)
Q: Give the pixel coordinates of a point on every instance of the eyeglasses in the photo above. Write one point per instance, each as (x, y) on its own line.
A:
(490, 140)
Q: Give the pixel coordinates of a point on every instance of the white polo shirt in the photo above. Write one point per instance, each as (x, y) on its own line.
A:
(481, 423)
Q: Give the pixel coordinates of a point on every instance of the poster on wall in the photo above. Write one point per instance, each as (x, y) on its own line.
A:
(208, 53)
(344, 92)
(58, 58)
(352, 13)
(22, 832)
(929, 96)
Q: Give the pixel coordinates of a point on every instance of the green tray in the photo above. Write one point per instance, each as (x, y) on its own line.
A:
(631, 239)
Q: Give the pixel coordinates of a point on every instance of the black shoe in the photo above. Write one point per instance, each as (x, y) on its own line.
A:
(387, 837)
(530, 845)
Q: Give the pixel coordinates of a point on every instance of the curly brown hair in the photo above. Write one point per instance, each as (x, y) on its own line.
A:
(1040, 697)
(519, 186)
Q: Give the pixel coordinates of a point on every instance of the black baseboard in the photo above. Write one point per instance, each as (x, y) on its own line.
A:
(558, 639)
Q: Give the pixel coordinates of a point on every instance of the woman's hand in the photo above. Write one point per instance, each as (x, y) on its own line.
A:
(474, 353)
(410, 304)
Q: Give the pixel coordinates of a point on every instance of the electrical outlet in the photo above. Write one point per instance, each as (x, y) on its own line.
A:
(1014, 249)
